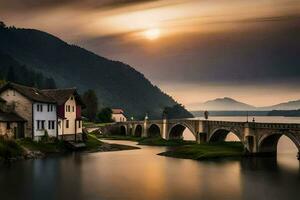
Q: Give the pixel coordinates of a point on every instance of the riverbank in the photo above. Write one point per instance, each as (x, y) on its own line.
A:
(207, 151)
(189, 149)
(151, 141)
(11, 150)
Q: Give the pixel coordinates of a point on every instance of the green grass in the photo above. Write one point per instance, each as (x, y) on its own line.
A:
(207, 151)
(158, 141)
(151, 141)
(44, 147)
(9, 149)
(93, 144)
(187, 149)
(92, 124)
(118, 137)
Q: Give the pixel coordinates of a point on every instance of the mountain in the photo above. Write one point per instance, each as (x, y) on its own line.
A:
(116, 84)
(224, 104)
(290, 105)
(229, 104)
(12, 70)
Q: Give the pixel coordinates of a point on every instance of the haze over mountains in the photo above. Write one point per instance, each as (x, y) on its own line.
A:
(116, 84)
(229, 104)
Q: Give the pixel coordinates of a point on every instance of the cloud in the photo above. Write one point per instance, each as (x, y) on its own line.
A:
(48, 4)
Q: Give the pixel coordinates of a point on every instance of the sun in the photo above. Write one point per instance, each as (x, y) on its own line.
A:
(152, 34)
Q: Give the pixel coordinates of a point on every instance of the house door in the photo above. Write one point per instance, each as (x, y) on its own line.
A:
(20, 130)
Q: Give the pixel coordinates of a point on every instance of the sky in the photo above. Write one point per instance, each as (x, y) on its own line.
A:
(195, 50)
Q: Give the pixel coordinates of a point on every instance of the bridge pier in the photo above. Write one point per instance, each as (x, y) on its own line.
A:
(201, 137)
(165, 129)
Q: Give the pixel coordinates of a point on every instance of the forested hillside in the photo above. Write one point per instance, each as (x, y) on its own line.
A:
(116, 84)
(11, 70)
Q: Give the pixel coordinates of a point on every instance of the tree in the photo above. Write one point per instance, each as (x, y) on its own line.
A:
(176, 111)
(2, 24)
(91, 101)
(105, 115)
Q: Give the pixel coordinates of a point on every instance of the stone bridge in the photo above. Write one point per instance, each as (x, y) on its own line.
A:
(257, 138)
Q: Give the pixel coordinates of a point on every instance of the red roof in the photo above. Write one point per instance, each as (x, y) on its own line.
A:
(117, 111)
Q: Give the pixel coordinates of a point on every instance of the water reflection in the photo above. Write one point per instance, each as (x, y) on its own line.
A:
(141, 174)
(188, 135)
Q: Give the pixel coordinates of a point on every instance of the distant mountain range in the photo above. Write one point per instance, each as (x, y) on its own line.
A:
(116, 84)
(229, 104)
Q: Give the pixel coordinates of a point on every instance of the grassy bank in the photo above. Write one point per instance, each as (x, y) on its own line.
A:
(10, 149)
(207, 151)
(43, 147)
(92, 124)
(118, 137)
(152, 141)
(93, 144)
(29, 149)
(187, 149)
(162, 142)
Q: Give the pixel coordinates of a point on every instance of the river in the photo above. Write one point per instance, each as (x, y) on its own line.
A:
(143, 175)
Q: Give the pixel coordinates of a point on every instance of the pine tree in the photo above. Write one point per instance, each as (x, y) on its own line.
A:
(91, 101)
(2, 24)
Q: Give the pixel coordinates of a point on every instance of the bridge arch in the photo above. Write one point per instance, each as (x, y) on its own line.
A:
(154, 131)
(176, 131)
(138, 131)
(123, 130)
(268, 143)
(220, 134)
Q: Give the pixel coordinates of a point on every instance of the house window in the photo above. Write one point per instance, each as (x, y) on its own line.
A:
(43, 123)
(67, 123)
(14, 93)
(39, 107)
(51, 125)
(73, 109)
(79, 124)
(40, 124)
(50, 108)
(68, 108)
(71, 98)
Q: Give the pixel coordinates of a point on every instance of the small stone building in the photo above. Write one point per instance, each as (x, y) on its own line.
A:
(11, 124)
(118, 115)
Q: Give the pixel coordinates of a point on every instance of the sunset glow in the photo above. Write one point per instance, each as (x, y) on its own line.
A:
(152, 34)
(198, 45)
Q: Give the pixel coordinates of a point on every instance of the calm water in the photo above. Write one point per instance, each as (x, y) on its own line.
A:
(141, 174)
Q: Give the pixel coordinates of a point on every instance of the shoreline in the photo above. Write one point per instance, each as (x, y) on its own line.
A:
(25, 149)
(189, 149)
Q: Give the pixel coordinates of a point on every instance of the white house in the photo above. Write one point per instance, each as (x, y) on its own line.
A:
(118, 115)
(44, 119)
(38, 109)
(69, 105)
